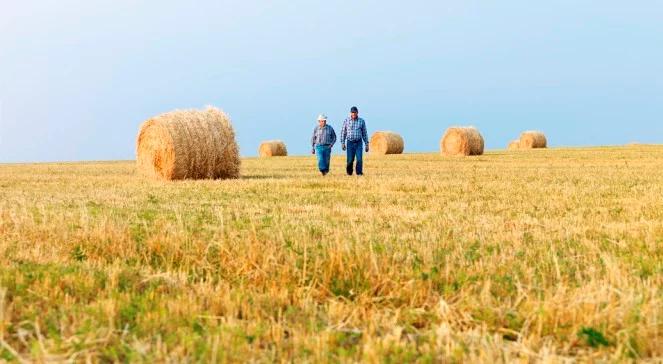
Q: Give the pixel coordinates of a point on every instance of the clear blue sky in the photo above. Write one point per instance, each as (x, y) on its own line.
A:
(78, 77)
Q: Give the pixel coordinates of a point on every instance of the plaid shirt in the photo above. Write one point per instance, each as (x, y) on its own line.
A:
(323, 136)
(354, 130)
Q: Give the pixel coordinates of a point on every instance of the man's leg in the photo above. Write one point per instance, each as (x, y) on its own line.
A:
(360, 159)
(327, 159)
(319, 153)
(350, 157)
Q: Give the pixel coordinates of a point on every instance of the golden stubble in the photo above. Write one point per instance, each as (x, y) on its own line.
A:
(500, 257)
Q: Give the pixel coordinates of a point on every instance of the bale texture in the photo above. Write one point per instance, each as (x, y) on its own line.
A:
(387, 142)
(514, 145)
(532, 139)
(188, 144)
(462, 141)
(272, 148)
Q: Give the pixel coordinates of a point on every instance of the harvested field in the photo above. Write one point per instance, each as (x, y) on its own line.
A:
(548, 256)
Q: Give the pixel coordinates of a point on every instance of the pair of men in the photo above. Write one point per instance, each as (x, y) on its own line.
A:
(353, 131)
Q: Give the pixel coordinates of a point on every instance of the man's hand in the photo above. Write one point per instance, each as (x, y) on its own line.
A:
(312, 150)
(343, 146)
(367, 148)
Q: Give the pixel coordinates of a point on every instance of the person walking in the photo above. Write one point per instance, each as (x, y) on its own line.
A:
(322, 141)
(354, 131)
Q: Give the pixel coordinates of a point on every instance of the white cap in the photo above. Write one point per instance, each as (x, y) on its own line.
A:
(322, 117)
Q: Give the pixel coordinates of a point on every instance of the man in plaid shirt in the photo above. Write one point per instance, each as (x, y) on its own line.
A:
(322, 141)
(354, 131)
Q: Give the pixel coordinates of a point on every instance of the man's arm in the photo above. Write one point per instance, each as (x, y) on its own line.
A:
(344, 132)
(313, 141)
(333, 136)
(364, 133)
(313, 137)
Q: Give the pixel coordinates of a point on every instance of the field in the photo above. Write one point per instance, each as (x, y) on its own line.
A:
(543, 255)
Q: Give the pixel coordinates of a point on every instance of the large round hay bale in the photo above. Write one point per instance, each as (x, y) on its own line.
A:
(386, 142)
(188, 144)
(462, 141)
(272, 148)
(532, 139)
(514, 145)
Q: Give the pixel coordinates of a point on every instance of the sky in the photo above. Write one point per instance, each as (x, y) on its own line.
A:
(77, 78)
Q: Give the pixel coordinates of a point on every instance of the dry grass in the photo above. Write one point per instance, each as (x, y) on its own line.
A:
(188, 144)
(272, 148)
(386, 142)
(531, 256)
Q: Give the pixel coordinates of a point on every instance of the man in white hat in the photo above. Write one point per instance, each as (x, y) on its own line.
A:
(322, 141)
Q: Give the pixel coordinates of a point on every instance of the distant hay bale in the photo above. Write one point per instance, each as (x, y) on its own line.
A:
(188, 144)
(272, 148)
(462, 141)
(514, 145)
(386, 142)
(532, 139)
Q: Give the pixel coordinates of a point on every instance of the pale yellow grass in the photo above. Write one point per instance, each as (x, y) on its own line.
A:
(544, 255)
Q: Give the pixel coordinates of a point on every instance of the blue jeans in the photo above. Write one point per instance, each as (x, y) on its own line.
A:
(355, 149)
(323, 152)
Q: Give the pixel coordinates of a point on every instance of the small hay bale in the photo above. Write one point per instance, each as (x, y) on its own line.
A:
(272, 148)
(462, 141)
(188, 144)
(514, 145)
(532, 139)
(386, 142)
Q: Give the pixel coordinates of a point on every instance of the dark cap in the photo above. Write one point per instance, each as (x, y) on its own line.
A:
(354, 109)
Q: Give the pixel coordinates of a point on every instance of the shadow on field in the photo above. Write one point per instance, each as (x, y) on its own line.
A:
(261, 176)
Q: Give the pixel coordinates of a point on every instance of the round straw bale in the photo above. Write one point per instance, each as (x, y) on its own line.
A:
(386, 142)
(272, 148)
(514, 145)
(188, 144)
(462, 141)
(532, 139)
